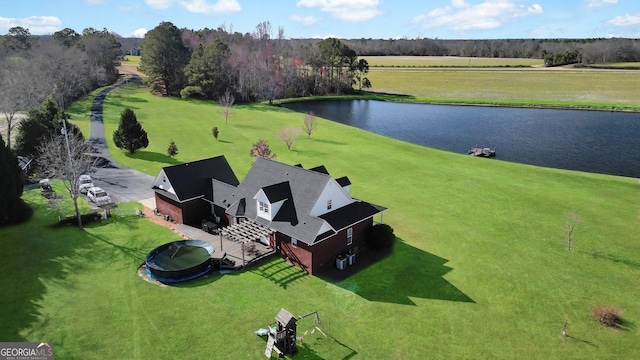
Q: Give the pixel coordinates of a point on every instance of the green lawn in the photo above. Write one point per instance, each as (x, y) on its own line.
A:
(481, 268)
(131, 60)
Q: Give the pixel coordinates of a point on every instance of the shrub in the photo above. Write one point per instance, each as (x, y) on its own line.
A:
(381, 237)
(172, 149)
(608, 316)
(215, 131)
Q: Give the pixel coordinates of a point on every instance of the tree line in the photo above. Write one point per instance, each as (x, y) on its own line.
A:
(591, 51)
(252, 67)
(61, 67)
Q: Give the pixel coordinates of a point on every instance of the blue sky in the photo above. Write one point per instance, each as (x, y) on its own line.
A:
(378, 19)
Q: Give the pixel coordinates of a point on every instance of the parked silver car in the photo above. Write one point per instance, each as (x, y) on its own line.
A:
(98, 196)
(85, 182)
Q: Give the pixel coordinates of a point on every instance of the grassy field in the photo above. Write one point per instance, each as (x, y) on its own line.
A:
(481, 269)
(448, 61)
(131, 60)
(553, 87)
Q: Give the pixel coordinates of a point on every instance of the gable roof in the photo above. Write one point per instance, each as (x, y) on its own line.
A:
(285, 318)
(282, 192)
(194, 179)
(300, 189)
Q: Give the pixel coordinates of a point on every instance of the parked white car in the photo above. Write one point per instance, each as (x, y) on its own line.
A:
(85, 183)
(98, 196)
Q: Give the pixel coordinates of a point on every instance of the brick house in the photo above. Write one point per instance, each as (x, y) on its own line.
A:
(312, 215)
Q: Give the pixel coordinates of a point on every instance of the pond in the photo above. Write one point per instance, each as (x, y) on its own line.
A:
(591, 141)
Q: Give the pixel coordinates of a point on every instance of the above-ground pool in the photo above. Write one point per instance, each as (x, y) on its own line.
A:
(179, 260)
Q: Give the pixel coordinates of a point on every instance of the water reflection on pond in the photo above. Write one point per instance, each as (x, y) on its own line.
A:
(592, 141)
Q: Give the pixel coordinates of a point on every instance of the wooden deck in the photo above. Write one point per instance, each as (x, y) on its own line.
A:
(242, 254)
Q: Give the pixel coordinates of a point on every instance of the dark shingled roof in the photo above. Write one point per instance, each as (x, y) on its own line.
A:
(300, 189)
(193, 179)
(344, 181)
(321, 169)
(279, 192)
(350, 214)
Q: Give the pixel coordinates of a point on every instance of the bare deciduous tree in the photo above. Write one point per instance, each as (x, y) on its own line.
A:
(66, 160)
(288, 135)
(571, 224)
(309, 125)
(16, 91)
(226, 101)
(66, 72)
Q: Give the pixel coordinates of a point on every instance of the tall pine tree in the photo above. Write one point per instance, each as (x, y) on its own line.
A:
(130, 135)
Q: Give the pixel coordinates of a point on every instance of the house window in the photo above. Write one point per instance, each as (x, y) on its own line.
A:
(294, 242)
(349, 236)
(264, 207)
(329, 204)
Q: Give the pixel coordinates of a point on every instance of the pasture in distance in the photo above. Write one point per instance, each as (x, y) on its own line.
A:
(450, 81)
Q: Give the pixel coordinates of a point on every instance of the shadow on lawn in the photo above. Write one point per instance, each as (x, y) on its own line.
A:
(613, 258)
(111, 252)
(398, 276)
(280, 272)
(582, 341)
(153, 156)
(307, 351)
(30, 265)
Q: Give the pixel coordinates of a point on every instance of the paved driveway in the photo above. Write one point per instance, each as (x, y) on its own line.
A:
(126, 184)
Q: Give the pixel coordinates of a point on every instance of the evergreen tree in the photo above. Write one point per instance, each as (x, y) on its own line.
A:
(42, 123)
(130, 135)
(12, 209)
(208, 71)
(164, 56)
(172, 149)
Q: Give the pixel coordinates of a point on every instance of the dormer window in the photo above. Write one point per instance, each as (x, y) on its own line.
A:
(264, 207)
(329, 204)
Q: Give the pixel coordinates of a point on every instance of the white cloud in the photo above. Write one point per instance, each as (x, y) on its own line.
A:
(94, 2)
(326, 37)
(463, 16)
(535, 9)
(37, 25)
(625, 20)
(198, 6)
(205, 7)
(159, 4)
(600, 3)
(346, 10)
(304, 20)
(139, 33)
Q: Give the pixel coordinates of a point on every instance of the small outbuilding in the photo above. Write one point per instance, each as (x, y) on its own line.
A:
(284, 338)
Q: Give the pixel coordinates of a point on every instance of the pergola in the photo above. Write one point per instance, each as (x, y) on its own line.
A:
(246, 231)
